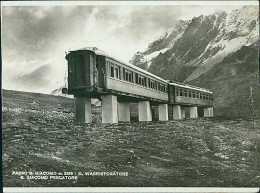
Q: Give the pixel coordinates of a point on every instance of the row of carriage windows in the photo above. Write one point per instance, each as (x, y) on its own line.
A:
(121, 73)
(193, 94)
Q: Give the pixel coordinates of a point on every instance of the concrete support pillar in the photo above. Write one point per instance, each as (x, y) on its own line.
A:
(206, 112)
(144, 111)
(183, 110)
(109, 109)
(177, 112)
(211, 112)
(163, 112)
(83, 109)
(123, 111)
(193, 112)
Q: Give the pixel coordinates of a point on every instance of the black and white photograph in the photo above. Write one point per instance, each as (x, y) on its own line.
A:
(130, 94)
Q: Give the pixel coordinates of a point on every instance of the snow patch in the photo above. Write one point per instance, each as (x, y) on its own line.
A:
(154, 54)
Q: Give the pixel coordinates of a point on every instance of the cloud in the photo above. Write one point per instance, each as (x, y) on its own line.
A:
(34, 38)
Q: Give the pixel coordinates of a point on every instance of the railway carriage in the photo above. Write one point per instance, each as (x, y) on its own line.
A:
(94, 73)
(189, 95)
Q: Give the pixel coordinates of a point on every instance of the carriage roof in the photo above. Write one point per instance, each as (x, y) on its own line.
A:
(102, 53)
(190, 87)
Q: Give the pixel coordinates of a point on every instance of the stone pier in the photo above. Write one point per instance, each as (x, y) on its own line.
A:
(109, 109)
(163, 112)
(193, 112)
(206, 112)
(211, 112)
(124, 111)
(144, 111)
(177, 112)
(83, 109)
(183, 110)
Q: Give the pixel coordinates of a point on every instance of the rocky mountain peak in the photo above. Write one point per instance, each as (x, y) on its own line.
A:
(217, 51)
(203, 41)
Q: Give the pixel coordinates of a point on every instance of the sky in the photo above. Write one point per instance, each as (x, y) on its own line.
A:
(35, 38)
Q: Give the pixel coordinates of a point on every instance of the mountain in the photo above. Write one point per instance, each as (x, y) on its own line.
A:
(217, 51)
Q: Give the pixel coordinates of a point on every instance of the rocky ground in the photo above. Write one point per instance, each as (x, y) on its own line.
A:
(39, 134)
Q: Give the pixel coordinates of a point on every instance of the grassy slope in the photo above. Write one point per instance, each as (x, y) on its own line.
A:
(39, 134)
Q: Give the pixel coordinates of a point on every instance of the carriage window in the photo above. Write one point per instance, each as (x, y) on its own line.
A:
(177, 92)
(190, 94)
(181, 92)
(193, 95)
(119, 72)
(136, 78)
(130, 76)
(116, 72)
(141, 81)
(200, 95)
(163, 88)
(185, 93)
(197, 95)
(123, 73)
(152, 85)
(97, 62)
(112, 71)
(204, 97)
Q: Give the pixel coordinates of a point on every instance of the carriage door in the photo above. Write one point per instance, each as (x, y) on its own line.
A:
(100, 65)
(79, 73)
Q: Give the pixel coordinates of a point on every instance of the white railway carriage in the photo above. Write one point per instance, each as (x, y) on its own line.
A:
(93, 73)
(189, 95)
